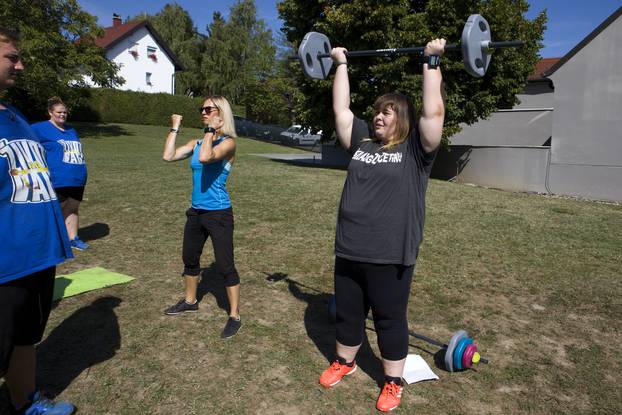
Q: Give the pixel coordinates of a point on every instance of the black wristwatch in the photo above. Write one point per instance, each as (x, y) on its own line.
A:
(433, 61)
(209, 130)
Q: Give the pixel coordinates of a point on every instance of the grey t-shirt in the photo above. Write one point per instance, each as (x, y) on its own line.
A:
(382, 207)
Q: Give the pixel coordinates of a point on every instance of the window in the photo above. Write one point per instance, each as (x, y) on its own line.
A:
(133, 49)
(148, 78)
(151, 53)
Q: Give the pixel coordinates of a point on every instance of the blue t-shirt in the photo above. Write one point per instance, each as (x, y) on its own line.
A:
(64, 154)
(32, 227)
(209, 181)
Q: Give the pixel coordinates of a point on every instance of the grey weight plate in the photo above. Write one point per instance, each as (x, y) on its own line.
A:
(312, 45)
(475, 40)
(451, 346)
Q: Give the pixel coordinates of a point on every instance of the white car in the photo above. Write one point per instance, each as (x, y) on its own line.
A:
(286, 136)
(300, 136)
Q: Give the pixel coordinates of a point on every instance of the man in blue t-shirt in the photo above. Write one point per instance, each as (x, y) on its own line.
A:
(34, 241)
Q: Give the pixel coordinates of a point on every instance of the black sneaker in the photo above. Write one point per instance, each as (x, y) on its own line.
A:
(182, 307)
(231, 328)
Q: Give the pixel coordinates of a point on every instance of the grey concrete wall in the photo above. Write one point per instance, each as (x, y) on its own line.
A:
(586, 148)
(513, 168)
(528, 123)
(526, 128)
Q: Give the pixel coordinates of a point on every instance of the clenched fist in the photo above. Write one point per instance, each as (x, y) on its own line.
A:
(176, 121)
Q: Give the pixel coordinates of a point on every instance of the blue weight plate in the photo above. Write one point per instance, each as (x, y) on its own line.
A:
(459, 350)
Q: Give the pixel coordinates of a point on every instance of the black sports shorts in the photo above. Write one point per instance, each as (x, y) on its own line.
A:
(74, 192)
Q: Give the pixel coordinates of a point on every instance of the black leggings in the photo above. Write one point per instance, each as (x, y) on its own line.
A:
(25, 305)
(217, 224)
(384, 288)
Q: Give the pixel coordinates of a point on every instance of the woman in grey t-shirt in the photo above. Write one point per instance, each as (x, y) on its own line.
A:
(381, 216)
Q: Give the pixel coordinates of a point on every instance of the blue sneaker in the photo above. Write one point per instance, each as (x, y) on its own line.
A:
(43, 406)
(79, 244)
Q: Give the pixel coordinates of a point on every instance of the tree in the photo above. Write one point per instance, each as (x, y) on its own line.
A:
(360, 24)
(58, 48)
(271, 101)
(174, 24)
(239, 51)
(218, 67)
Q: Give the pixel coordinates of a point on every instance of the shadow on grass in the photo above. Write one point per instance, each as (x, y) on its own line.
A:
(88, 337)
(213, 283)
(94, 231)
(321, 329)
(99, 130)
(309, 163)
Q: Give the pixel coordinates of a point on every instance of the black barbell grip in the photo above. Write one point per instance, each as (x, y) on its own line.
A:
(453, 47)
(505, 44)
(388, 52)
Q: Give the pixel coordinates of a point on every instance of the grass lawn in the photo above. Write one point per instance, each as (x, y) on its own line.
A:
(535, 280)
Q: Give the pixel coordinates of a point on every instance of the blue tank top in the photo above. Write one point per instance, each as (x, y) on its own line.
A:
(209, 181)
(32, 227)
(64, 154)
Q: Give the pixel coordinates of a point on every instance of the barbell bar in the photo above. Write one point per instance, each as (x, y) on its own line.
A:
(475, 44)
(461, 352)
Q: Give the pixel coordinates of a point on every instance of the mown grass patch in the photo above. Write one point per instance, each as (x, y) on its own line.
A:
(536, 281)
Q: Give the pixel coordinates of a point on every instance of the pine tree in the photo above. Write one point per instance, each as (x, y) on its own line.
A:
(174, 24)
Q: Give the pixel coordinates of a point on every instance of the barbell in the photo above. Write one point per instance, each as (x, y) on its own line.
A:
(461, 351)
(475, 45)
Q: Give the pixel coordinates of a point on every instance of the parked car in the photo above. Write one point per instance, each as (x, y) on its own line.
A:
(298, 135)
(287, 135)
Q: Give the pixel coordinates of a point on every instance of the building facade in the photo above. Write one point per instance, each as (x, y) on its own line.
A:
(145, 61)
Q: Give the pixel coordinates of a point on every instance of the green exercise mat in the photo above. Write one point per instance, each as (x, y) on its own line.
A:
(86, 280)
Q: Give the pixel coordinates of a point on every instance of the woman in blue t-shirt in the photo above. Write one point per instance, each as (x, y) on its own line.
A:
(211, 160)
(67, 165)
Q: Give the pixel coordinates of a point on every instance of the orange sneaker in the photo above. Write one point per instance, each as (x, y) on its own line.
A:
(390, 397)
(331, 376)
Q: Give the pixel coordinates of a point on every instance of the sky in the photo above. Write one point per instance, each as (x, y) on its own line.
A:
(569, 21)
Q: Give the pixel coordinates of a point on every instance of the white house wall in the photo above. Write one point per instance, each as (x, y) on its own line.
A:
(586, 149)
(134, 70)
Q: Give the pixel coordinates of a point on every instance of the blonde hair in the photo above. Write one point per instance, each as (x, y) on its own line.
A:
(405, 116)
(228, 127)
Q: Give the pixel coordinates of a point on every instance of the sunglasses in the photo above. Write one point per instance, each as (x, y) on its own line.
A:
(208, 109)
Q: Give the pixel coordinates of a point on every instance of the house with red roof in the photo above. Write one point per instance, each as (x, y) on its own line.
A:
(145, 61)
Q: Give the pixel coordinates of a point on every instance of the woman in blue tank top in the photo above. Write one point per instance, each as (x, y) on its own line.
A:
(211, 160)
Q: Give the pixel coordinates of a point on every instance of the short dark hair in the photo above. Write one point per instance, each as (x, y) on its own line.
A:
(54, 101)
(9, 35)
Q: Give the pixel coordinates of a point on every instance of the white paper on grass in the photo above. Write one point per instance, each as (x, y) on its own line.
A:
(416, 370)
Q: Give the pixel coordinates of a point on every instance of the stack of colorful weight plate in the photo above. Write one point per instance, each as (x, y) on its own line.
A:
(461, 352)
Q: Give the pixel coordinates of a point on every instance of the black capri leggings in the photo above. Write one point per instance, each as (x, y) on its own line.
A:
(217, 224)
(385, 289)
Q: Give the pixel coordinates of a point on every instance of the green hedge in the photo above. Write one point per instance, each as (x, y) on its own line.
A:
(116, 106)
